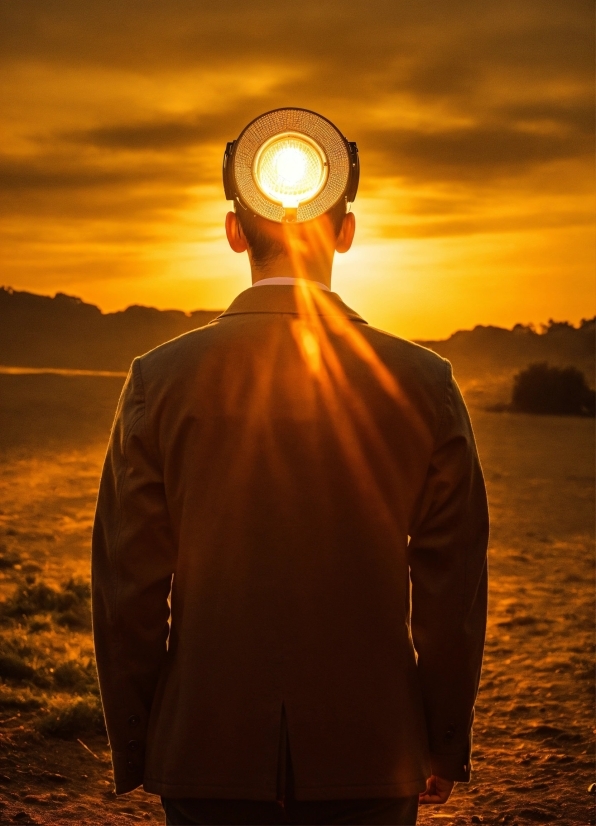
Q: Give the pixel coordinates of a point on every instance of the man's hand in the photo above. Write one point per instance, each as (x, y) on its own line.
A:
(437, 790)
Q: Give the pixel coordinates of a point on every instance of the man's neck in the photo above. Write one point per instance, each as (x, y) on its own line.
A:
(282, 268)
(291, 281)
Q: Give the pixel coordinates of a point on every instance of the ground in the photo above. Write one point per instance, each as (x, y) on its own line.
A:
(532, 757)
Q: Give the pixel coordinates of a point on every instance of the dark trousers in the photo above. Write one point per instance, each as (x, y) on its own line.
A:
(400, 811)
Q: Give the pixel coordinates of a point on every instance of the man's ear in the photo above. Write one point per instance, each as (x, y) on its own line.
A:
(346, 233)
(234, 233)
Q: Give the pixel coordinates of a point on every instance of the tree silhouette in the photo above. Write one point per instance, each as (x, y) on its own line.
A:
(555, 390)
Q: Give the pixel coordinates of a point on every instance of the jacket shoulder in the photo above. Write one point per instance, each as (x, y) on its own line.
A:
(404, 355)
(178, 354)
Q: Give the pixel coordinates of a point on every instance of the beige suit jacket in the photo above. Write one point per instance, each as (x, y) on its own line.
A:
(305, 491)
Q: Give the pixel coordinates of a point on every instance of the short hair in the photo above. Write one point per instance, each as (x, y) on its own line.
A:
(266, 247)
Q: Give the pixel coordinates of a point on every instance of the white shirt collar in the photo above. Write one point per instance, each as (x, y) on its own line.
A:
(282, 280)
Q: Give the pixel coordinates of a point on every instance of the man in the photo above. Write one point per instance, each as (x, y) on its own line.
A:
(304, 491)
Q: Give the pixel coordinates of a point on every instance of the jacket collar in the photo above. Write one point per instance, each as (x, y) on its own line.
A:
(292, 300)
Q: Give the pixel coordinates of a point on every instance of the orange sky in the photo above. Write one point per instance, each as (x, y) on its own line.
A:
(474, 123)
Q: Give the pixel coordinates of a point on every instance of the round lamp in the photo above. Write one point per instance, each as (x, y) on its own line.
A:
(290, 165)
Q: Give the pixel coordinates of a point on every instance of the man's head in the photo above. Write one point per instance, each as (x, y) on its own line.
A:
(304, 250)
(291, 175)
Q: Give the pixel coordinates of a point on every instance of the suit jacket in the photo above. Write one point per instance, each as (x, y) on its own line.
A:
(291, 515)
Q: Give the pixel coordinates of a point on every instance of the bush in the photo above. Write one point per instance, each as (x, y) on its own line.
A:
(18, 699)
(74, 592)
(73, 677)
(70, 605)
(39, 625)
(72, 720)
(555, 390)
(30, 599)
(13, 667)
(8, 559)
(78, 619)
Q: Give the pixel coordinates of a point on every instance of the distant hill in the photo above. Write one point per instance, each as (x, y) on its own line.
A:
(39, 331)
(489, 351)
(65, 332)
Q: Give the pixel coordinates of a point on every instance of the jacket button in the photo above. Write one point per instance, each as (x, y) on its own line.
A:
(134, 720)
(449, 733)
(131, 765)
(133, 745)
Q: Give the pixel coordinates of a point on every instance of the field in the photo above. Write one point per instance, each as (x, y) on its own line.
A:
(532, 752)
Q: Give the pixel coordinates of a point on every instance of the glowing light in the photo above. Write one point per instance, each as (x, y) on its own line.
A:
(291, 165)
(290, 169)
(308, 344)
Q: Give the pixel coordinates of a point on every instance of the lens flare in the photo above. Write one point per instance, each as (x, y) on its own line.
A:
(290, 169)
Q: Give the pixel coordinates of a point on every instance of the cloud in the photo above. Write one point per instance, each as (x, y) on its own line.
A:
(440, 227)
(573, 115)
(471, 152)
(163, 135)
(61, 190)
(429, 49)
(171, 134)
(532, 134)
(43, 174)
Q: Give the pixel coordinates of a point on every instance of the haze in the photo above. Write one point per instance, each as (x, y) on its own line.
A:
(474, 123)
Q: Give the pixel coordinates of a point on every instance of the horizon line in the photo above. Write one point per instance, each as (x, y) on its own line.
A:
(539, 328)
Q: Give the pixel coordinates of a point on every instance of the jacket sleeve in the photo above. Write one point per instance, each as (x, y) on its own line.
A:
(132, 561)
(448, 569)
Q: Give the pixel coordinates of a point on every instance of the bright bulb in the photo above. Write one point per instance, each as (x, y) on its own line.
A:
(291, 166)
(290, 169)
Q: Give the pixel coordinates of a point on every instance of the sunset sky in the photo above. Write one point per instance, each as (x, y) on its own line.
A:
(474, 122)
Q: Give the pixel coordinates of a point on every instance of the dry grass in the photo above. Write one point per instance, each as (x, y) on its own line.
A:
(70, 719)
